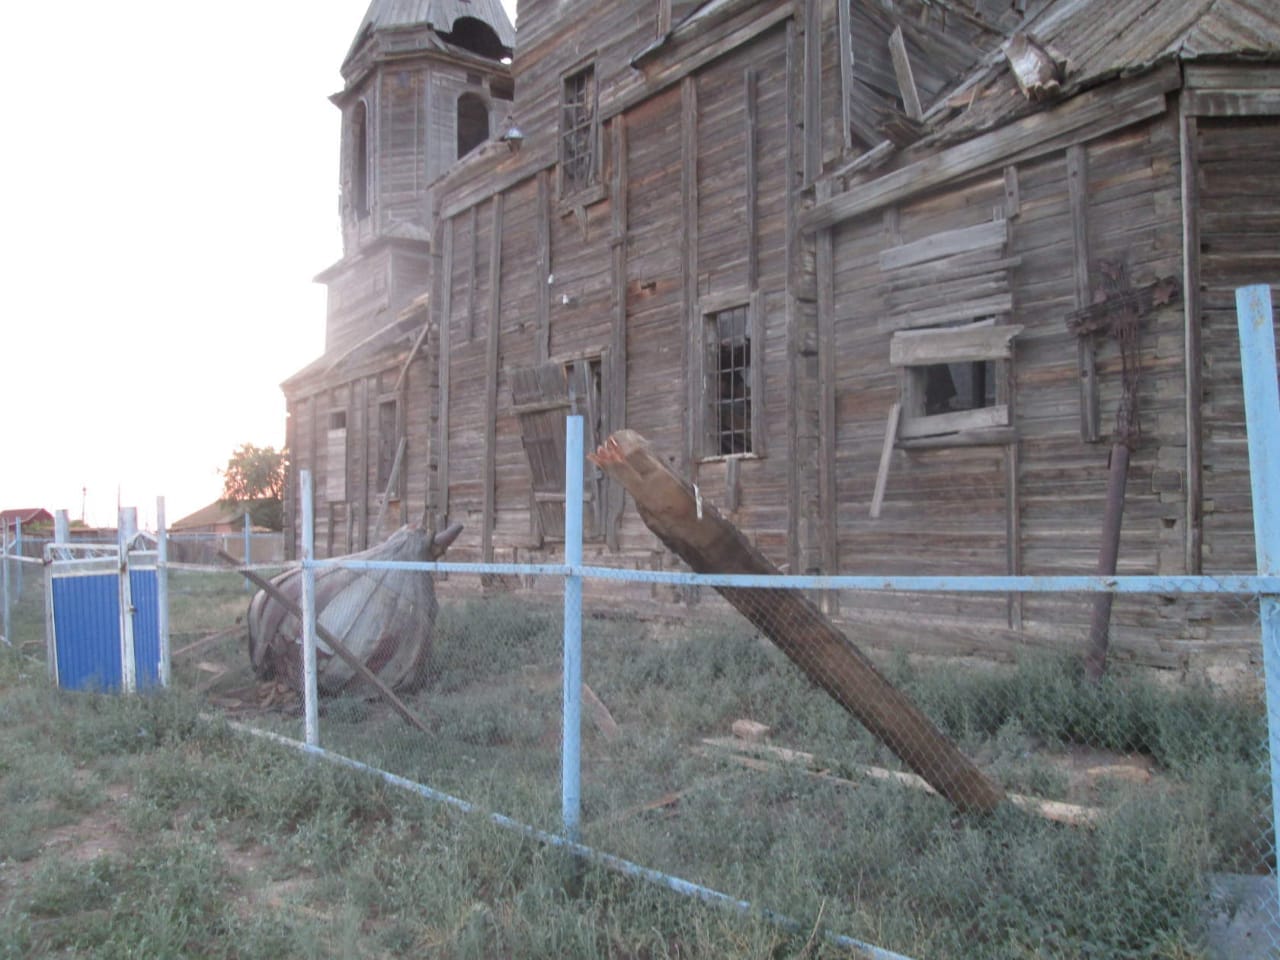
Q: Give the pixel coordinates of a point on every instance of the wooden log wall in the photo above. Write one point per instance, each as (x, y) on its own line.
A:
(604, 280)
(1033, 505)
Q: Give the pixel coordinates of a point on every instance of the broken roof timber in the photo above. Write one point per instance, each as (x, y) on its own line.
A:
(1090, 114)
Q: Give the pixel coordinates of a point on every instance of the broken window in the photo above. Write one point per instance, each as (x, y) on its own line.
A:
(388, 442)
(473, 122)
(953, 378)
(360, 161)
(579, 131)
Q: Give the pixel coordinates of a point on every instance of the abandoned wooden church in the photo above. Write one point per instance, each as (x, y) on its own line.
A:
(905, 286)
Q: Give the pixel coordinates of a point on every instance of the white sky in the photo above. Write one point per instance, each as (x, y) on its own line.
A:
(172, 180)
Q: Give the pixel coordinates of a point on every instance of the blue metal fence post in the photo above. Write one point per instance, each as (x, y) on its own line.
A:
(311, 712)
(126, 524)
(17, 549)
(248, 555)
(1262, 419)
(571, 740)
(4, 576)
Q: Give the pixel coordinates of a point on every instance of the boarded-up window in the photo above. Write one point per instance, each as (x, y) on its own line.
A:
(579, 131)
(473, 122)
(731, 380)
(949, 296)
(542, 397)
(388, 441)
(335, 487)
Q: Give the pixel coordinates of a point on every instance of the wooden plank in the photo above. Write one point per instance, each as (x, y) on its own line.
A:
(1071, 814)
(1189, 185)
(473, 259)
(1233, 103)
(445, 315)
(750, 83)
(1089, 115)
(992, 235)
(615, 383)
(827, 505)
(492, 349)
(906, 79)
(812, 106)
(708, 543)
(958, 422)
(692, 340)
(1012, 192)
(886, 456)
(980, 341)
(844, 38)
(1086, 352)
(542, 256)
(997, 305)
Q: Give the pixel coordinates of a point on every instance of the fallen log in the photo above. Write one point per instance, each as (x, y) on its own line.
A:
(694, 530)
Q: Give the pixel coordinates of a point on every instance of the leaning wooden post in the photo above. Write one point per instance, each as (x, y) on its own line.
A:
(1262, 419)
(695, 531)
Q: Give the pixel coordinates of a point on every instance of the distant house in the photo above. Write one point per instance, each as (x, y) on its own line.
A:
(197, 537)
(217, 517)
(28, 517)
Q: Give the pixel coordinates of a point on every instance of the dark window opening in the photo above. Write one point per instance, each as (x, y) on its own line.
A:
(577, 131)
(731, 403)
(951, 387)
(360, 162)
(338, 420)
(476, 36)
(473, 123)
(502, 88)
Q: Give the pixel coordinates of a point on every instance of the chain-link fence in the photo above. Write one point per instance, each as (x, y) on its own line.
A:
(749, 750)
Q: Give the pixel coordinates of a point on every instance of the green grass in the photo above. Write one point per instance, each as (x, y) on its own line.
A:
(305, 859)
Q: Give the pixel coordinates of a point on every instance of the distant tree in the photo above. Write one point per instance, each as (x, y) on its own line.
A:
(255, 478)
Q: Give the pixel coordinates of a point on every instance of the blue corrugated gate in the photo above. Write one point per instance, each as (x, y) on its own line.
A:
(86, 630)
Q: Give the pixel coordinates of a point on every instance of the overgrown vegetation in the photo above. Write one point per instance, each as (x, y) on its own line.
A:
(304, 859)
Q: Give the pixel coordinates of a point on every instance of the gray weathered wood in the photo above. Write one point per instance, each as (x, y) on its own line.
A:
(906, 79)
(1086, 349)
(984, 236)
(1193, 360)
(886, 457)
(978, 341)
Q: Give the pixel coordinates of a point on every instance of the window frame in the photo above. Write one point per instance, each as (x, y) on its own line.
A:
(912, 352)
(593, 186)
(387, 446)
(336, 449)
(361, 161)
(709, 400)
(471, 96)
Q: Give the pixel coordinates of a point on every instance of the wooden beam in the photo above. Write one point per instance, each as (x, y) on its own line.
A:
(906, 79)
(1086, 116)
(473, 260)
(886, 457)
(542, 257)
(976, 342)
(750, 83)
(812, 105)
(491, 382)
(1086, 349)
(992, 235)
(446, 370)
(827, 508)
(709, 543)
(692, 340)
(616, 375)
(386, 494)
(844, 39)
(1193, 354)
